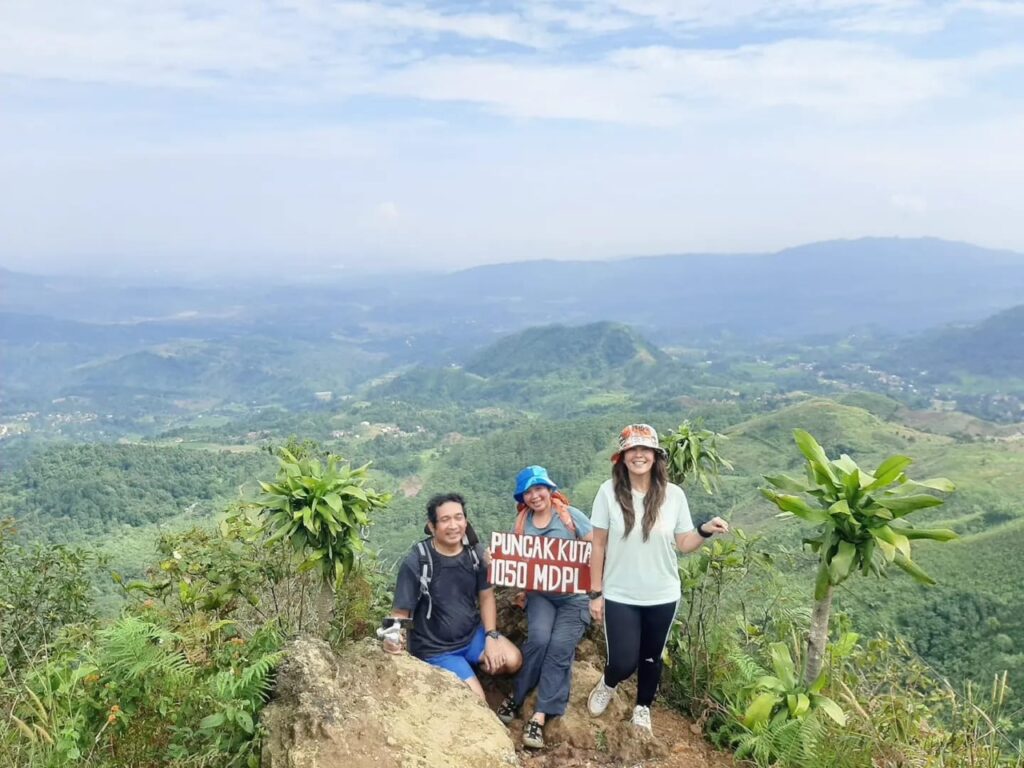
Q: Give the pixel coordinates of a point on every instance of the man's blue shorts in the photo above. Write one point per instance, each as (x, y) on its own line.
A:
(459, 661)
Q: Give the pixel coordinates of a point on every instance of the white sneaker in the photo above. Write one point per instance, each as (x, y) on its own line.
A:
(599, 698)
(642, 717)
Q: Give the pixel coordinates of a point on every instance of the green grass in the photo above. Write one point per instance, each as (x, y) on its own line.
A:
(606, 400)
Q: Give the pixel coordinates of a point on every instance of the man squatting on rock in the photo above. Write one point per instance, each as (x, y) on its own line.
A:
(443, 587)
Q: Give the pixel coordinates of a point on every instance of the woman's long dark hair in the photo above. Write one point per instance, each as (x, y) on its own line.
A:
(653, 499)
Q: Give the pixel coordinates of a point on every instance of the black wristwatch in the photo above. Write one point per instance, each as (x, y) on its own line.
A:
(704, 534)
(594, 594)
(493, 634)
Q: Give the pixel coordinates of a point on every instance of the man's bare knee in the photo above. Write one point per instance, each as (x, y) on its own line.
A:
(513, 658)
(475, 687)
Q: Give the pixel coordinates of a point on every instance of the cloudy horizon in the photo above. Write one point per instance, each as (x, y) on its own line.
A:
(190, 137)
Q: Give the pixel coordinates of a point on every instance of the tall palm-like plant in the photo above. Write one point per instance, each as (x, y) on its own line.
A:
(322, 509)
(860, 519)
(693, 452)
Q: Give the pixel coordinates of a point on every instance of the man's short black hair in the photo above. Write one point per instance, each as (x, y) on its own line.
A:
(443, 498)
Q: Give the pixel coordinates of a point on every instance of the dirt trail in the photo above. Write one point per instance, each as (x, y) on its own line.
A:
(684, 750)
(578, 740)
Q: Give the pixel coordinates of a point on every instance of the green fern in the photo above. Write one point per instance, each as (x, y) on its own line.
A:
(798, 742)
(134, 648)
(755, 744)
(251, 684)
(782, 743)
(745, 669)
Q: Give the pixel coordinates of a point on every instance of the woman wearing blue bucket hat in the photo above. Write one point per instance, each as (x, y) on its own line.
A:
(640, 522)
(556, 622)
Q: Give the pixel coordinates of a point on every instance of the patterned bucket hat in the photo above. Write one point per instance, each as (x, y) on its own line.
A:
(639, 434)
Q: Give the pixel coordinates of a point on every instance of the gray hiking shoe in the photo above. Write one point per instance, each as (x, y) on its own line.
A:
(599, 698)
(642, 717)
(533, 735)
(508, 711)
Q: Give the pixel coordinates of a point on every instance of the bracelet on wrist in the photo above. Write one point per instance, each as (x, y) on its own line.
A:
(704, 534)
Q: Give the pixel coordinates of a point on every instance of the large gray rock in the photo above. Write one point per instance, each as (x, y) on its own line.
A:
(370, 709)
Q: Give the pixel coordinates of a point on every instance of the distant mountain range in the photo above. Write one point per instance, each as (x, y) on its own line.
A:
(248, 344)
(903, 285)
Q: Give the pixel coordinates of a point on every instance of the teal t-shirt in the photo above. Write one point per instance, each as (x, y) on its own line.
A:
(556, 528)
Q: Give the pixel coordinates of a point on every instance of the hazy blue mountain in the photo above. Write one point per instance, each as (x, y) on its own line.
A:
(904, 284)
(823, 287)
(993, 347)
(106, 300)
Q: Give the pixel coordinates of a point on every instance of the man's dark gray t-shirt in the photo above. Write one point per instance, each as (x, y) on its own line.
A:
(454, 589)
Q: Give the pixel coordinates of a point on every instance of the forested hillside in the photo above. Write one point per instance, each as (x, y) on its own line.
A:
(96, 493)
(78, 492)
(992, 347)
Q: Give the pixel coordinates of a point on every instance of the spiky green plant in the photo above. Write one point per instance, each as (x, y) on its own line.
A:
(860, 523)
(322, 510)
(693, 452)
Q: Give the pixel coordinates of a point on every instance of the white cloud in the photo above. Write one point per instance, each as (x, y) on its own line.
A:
(310, 43)
(386, 213)
(909, 202)
(169, 43)
(1011, 8)
(473, 26)
(316, 50)
(163, 45)
(666, 86)
(598, 93)
(707, 14)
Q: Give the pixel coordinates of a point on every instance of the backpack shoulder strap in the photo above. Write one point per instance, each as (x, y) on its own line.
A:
(426, 572)
(476, 552)
(520, 526)
(561, 506)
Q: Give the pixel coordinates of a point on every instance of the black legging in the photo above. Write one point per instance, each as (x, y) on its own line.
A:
(636, 636)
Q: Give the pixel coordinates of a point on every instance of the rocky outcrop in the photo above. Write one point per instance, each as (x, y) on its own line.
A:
(368, 709)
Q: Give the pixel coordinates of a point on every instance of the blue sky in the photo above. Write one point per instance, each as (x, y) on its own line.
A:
(190, 137)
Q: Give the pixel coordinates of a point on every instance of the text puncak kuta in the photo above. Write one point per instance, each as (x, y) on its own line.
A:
(540, 563)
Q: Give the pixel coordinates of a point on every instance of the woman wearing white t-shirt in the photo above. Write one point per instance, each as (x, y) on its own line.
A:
(640, 519)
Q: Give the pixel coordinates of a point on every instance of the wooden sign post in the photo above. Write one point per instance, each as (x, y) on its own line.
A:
(540, 563)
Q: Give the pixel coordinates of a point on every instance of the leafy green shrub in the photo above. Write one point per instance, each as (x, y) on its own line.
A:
(41, 590)
(138, 693)
(181, 677)
(900, 713)
(322, 510)
(693, 452)
(708, 577)
(733, 661)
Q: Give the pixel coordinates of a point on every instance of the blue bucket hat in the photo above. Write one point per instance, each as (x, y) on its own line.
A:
(529, 477)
